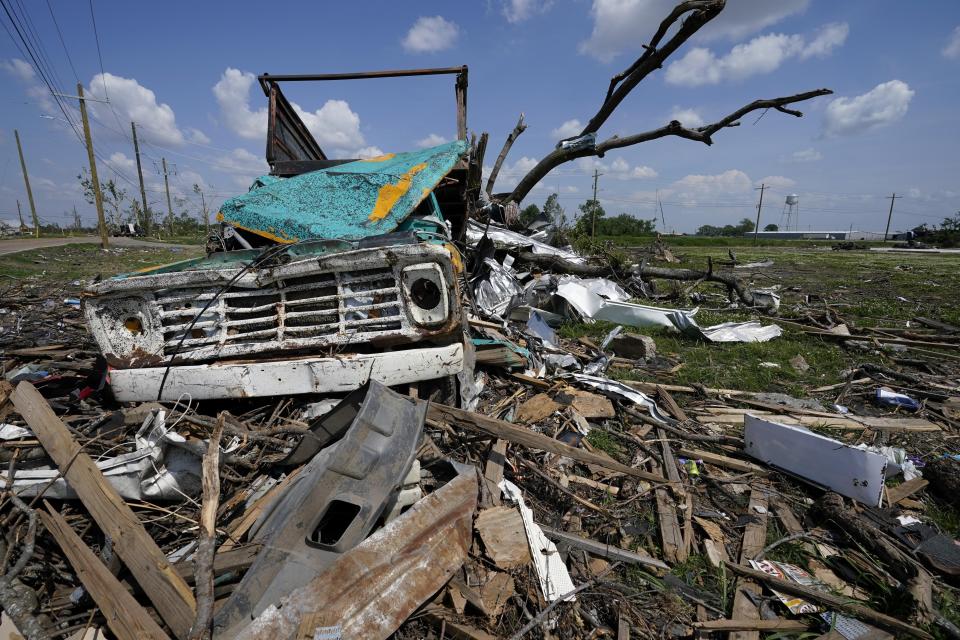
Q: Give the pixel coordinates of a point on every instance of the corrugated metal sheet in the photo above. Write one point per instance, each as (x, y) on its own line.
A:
(353, 200)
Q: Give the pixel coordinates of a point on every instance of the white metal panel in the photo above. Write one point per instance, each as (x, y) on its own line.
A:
(820, 460)
(287, 377)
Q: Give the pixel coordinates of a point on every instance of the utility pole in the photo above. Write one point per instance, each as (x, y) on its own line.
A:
(756, 228)
(891, 197)
(593, 209)
(20, 214)
(76, 218)
(203, 204)
(143, 192)
(97, 196)
(166, 184)
(660, 204)
(26, 181)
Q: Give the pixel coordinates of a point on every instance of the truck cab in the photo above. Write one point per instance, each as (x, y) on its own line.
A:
(326, 274)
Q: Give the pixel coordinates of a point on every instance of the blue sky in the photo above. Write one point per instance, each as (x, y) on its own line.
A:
(185, 72)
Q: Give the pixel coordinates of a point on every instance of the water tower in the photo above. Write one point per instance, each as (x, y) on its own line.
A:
(791, 210)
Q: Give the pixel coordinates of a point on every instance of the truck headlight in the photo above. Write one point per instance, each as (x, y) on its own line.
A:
(426, 289)
(124, 327)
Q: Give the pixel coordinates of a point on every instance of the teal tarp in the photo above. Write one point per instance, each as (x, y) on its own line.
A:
(350, 201)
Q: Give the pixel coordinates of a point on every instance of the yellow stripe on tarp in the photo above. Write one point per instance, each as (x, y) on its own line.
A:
(389, 194)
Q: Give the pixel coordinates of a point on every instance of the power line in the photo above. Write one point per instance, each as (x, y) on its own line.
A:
(62, 42)
(103, 74)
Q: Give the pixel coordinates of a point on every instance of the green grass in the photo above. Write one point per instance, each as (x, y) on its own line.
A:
(78, 261)
(735, 241)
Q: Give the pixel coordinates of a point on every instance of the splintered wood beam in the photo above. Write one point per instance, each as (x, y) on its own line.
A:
(167, 591)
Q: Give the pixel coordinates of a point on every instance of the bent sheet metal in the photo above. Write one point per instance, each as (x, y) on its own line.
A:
(371, 589)
(353, 200)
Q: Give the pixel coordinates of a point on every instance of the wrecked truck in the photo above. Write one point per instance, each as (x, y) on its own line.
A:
(326, 274)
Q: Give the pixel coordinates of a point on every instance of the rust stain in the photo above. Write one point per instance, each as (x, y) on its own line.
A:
(389, 194)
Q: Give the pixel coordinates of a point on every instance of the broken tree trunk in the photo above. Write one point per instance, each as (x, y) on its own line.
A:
(517, 130)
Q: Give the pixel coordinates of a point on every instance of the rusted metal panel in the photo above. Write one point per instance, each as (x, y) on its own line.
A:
(373, 588)
(288, 138)
(350, 201)
(267, 378)
(352, 297)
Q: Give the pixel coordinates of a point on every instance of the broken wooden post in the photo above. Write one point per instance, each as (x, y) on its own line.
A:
(165, 588)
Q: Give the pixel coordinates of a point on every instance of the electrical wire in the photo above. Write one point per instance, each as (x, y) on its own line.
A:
(63, 43)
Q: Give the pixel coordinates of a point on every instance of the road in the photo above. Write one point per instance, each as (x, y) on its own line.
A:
(26, 244)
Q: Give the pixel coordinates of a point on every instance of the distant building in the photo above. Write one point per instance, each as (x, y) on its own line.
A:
(818, 235)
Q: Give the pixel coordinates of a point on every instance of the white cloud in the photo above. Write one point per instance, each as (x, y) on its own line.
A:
(369, 152)
(952, 49)
(623, 25)
(19, 68)
(884, 104)
(232, 92)
(510, 174)
(776, 182)
(568, 129)
(687, 117)
(762, 54)
(430, 34)
(696, 187)
(130, 100)
(519, 10)
(619, 169)
(196, 136)
(431, 140)
(23, 72)
(806, 155)
(122, 163)
(242, 163)
(828, 37)
(334, 125)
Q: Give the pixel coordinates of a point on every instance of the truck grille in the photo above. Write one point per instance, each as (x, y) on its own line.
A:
(313, 310)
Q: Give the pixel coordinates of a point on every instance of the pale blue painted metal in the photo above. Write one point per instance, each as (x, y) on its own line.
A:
(349, 201)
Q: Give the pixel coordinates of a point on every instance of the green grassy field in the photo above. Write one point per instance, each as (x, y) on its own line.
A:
(66, 263)
(862, 288)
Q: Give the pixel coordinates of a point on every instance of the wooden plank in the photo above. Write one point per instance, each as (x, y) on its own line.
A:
(936, 324)
(904, 490)
(167, 591)
(841, 603)
(754, 538)
(724, 461)
(501, 429)
(754, 625)
(611, 552)
(671, 538)
(223, 561)
(623, 625)
(493, 471)
(125, 617)
(913, 425)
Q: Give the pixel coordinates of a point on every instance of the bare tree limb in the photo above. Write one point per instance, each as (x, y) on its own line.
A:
(16, 599)
(701, 12)
(517, 130)
(702, 134)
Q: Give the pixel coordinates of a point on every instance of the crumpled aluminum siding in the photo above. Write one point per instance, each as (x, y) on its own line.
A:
(348, 201)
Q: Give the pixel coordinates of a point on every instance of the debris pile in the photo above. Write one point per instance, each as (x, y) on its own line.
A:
(367, 413)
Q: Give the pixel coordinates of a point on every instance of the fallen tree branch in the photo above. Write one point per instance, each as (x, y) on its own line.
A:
(702, 134)
(507, 144)
(16, 599)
